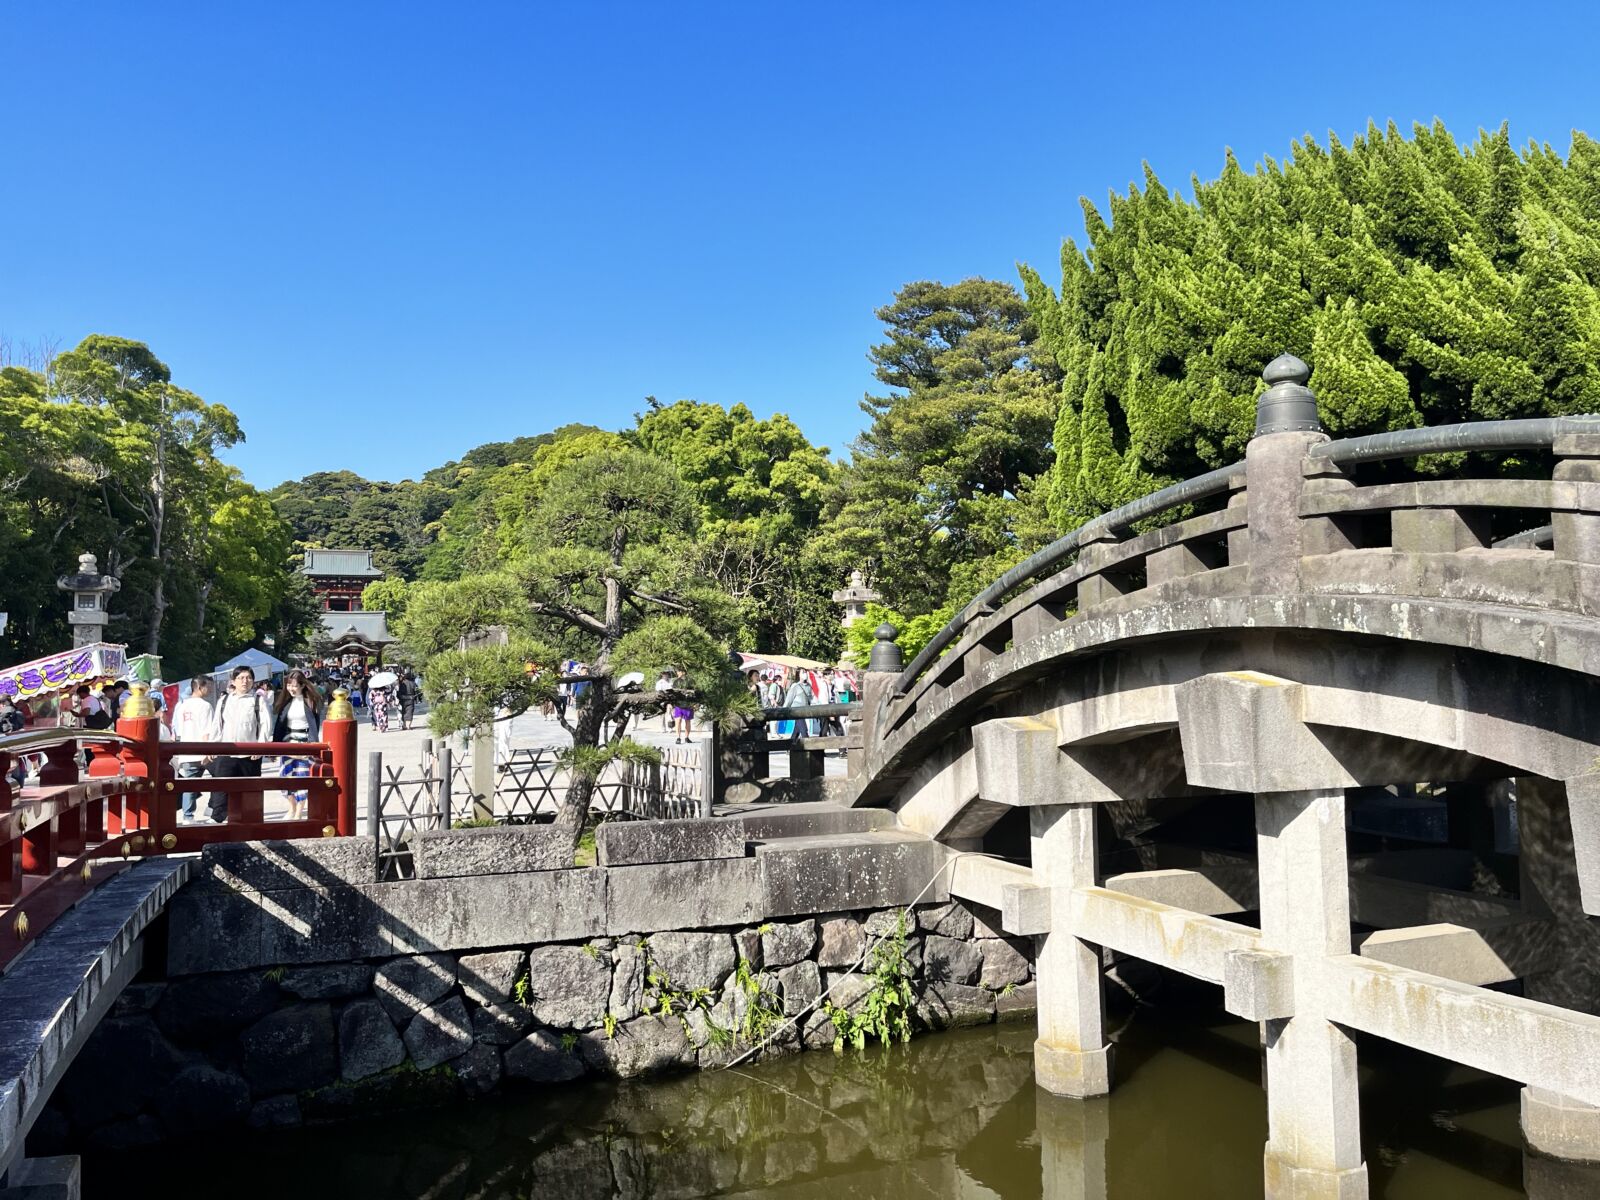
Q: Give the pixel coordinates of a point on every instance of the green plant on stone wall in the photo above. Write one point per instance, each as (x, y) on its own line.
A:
(663, 998)
(569, 1041)
(763, 1011)
(519, 989)
(885, 1011)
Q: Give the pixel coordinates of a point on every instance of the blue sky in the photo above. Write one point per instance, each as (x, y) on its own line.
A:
(386, 233)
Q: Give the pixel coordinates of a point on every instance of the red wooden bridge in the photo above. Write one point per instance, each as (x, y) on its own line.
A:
(77, 829)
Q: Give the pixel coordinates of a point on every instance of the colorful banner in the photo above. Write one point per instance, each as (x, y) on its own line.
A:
(67, 669)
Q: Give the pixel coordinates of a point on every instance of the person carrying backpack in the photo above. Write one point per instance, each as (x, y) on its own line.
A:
(241, 716)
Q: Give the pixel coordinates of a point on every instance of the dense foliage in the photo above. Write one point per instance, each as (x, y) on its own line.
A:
(100, 451)
(1425, 282)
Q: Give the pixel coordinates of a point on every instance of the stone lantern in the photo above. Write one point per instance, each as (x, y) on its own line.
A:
(91, 597)
(855, 598)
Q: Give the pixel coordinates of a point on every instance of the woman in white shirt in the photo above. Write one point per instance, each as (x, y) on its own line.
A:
(298, 719)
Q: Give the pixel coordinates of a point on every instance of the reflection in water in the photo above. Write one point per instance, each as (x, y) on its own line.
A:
(952, 1115)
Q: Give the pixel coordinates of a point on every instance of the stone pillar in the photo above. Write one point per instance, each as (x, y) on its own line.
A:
(1072, 1147)
(1313, 1110)
(877, 686)
(1071, 1056)
(58, 1178)
(1555, 1125)
(1286, 427)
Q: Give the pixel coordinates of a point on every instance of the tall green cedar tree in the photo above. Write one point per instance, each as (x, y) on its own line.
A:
(1425, 282)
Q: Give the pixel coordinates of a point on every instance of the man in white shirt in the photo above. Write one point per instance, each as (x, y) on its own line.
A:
(191, 722)
(242, 715)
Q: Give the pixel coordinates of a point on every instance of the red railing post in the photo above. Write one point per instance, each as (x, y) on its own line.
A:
(107, 763)
(339, 732)
(139, 724)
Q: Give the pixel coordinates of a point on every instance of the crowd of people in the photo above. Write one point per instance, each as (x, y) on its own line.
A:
(287, 708)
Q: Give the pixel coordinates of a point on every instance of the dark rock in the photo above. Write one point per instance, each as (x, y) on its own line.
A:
(950, 1005)
(121, 1070)
(275, 1112)
(788, 943)
(501, 1024)
(290, 1050)
(842, 943)
(206, 1008)
(328, 983)
(201, 1099)
(488, 978)
(802, 984)
(639, 1046)
(405, 986)
(479, 1068)
(747, 945)
(392, 1091)
(368, 1042)
(627, 981)
(886, 922)
(818, 1033)
(438, 1034)
(949, 961)
(947, 920)
(1003, 964)
(568, 987)
(134, 1133)
(693, 960)
(540, 1058)
(1018, 1003)
(846, 990)
(137, 998)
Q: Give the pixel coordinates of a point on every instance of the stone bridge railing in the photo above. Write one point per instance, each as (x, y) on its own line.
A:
(1288, 520)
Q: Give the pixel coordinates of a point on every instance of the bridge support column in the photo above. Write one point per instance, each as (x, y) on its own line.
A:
(1070, 1057)
(1553, 1125)
(1313, 1108)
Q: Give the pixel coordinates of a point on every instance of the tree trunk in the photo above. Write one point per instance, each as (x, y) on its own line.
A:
(574, 808)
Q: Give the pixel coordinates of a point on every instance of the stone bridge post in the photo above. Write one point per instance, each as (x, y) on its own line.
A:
(1286, 427)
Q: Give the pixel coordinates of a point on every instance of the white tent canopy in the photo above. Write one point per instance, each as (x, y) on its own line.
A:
(258, 660)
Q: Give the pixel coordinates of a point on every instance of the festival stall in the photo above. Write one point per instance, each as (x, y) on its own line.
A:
(57, 672)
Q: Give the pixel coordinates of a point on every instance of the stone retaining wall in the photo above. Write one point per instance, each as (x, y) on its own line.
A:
(299, 1044)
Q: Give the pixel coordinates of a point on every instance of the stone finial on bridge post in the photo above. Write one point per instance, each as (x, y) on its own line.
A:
(1286, 427)
(884, 665)
(886, 656)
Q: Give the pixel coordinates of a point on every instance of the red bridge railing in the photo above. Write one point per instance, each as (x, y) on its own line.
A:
(75, 829)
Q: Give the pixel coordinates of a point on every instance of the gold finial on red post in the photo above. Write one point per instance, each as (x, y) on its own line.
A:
(138, 703)
(339, 708)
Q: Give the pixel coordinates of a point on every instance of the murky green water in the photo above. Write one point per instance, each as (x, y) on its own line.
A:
(952, 1115)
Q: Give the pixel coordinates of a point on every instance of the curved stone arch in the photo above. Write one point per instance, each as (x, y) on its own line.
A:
(1538, 664)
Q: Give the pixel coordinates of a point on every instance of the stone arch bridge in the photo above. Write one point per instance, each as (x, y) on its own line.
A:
(1235, 735)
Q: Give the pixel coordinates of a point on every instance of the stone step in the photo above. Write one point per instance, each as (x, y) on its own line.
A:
(764, 823)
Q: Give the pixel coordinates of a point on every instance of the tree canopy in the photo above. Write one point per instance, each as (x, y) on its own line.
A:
(1426, 283)
(101, 451)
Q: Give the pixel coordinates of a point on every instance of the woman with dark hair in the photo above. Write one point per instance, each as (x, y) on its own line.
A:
(297, 718)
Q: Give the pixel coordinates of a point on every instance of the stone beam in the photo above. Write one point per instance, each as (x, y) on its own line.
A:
(1021, 763)
(1193, 890)
(1538, 1044)
(1159, 933)
(1495, 954)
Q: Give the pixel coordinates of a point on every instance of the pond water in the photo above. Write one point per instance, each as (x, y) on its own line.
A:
(951, 1115)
